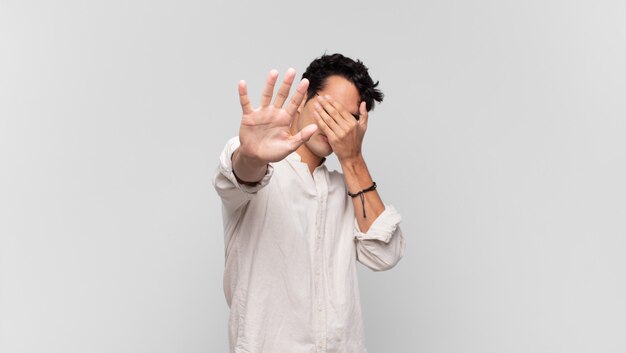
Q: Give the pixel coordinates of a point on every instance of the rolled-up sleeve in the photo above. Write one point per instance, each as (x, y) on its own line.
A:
(383, 245)
(234, 194)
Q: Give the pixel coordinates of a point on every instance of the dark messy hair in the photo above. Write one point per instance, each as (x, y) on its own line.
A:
(354, 71)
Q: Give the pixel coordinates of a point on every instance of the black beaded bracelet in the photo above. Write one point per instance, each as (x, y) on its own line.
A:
(360, 193)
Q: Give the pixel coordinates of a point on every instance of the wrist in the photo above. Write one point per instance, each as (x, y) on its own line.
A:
(246, 170)
(352, 163)
(248, 159)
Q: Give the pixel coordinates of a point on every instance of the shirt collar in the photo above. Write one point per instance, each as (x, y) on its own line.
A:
(295, 157)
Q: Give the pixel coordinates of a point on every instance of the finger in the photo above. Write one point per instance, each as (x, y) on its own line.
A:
(326, 117)
(304, 135)
(364, 115)
(334, 111)
(348, 117)
(326, 130)
(246, 107)
(268, 90)
(297, 98)
(283, 91)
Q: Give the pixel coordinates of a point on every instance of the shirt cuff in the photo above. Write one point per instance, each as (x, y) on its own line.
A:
(383, 227)
(226, 168)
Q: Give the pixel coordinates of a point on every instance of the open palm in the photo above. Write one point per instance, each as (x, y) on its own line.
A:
(265, 131)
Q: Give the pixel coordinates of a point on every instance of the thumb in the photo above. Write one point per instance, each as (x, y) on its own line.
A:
(304, 135)
(364, 115)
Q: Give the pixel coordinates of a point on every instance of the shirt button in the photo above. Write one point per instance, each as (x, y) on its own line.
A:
(317, 273)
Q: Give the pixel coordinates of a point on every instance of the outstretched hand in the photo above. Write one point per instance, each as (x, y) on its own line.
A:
(265, 131)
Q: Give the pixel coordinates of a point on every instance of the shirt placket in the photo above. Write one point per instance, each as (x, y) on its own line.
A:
(318, 261)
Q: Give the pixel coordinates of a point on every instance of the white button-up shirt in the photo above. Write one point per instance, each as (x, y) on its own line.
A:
(292, 243)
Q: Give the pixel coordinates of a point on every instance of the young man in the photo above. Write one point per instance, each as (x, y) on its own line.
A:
(293, 229)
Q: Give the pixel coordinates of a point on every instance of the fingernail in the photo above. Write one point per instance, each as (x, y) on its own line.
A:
(327, 96)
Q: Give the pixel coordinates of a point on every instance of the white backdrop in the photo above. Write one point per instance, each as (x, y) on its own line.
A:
(501, 141)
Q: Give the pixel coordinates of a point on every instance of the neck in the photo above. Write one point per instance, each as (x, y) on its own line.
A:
(311, 160)
(306, 156)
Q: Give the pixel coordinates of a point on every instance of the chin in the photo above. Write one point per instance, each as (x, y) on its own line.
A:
(319, 146)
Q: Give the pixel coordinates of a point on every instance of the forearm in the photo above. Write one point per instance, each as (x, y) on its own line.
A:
(248, 170)
(357, 178)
